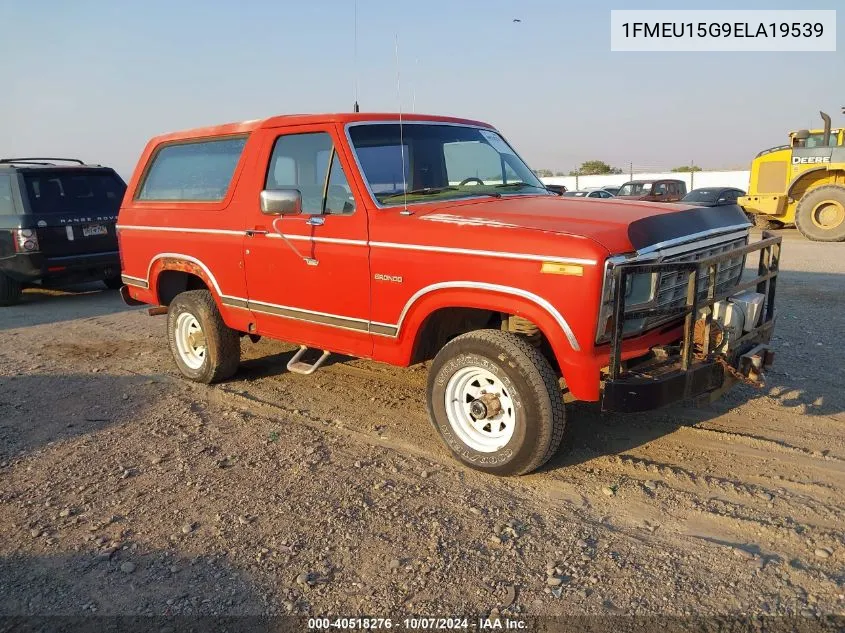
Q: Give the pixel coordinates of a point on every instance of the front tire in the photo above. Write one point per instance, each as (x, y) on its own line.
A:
(820, 215)
(205, 349)
(10, 290)
(496, 402)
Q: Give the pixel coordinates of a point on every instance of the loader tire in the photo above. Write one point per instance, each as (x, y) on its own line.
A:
(820, 215)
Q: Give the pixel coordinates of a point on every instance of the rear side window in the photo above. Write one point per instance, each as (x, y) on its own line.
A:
(198, 171)
(74, 191)
(7, 205)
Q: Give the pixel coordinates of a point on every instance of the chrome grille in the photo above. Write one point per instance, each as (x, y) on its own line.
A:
(672, 285)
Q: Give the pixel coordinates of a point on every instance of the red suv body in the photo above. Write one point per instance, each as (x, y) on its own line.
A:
(429, 239)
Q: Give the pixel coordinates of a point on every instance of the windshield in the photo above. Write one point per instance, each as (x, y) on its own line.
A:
(439, 162)
(817, 140)
(635, 189)
(702, 195)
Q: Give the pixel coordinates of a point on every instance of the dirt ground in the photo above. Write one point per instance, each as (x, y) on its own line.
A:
(127, 490)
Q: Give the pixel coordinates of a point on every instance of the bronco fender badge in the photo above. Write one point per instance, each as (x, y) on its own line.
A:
(397, 279)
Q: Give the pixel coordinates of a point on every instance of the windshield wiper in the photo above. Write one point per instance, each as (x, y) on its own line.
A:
(517, 184)
(425, 191)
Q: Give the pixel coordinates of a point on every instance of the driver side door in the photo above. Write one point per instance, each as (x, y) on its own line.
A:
(308, 275)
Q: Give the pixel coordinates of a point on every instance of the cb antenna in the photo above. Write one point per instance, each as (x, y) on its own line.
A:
(355, 57)
(401, 133)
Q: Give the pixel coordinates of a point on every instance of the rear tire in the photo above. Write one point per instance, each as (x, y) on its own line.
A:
(820, 215)
(10, 291)
(205, 349)
(496, 402)
(113, 283)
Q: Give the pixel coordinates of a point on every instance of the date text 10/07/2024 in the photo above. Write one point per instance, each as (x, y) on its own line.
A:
(772, 30)
(419, 623)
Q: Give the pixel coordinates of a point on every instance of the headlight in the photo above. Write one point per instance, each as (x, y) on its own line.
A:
(640, 291)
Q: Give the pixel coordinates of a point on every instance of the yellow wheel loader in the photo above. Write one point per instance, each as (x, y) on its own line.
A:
(802, 183)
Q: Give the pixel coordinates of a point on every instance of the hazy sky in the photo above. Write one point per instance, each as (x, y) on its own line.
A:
(95, 79)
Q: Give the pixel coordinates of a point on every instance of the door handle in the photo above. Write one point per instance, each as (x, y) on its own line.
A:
(316, 220)
(253, 232)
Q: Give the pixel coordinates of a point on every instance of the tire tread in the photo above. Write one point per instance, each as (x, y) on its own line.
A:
(541, 377)
(228, 340)
(810, 231)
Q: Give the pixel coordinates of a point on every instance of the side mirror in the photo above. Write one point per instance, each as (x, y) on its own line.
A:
(281, 202)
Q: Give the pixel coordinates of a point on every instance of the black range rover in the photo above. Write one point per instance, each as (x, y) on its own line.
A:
(57, 223)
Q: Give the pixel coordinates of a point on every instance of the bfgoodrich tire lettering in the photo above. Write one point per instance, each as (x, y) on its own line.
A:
(220, 345)
(531, 386)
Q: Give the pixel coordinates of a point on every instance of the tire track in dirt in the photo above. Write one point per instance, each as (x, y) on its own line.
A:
(756, 441)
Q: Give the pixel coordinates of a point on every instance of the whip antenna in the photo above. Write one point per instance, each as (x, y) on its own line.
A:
(401, 129)
(355, 57)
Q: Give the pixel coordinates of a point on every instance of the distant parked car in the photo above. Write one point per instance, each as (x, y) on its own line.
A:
(612, 190)
(558, 189)
(713, 196)
(666, 190)
(596, 193)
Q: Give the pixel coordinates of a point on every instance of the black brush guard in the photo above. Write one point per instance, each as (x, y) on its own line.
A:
(675, 372)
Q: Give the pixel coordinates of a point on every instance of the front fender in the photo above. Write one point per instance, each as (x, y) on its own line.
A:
(808, 177)
(581, 375)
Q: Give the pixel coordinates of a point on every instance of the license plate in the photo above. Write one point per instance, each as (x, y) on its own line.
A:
(94, 229)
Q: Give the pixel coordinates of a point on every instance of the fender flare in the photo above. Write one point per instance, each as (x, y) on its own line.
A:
(527, 296)
(485, 296)
(182, 263)
(813, 170)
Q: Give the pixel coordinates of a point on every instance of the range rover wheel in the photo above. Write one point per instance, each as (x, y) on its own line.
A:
(496, 402)
(204, 348)
(113, 283)
(820, 215)
(10, 291)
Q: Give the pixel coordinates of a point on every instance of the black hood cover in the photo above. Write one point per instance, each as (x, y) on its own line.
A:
(670, 226)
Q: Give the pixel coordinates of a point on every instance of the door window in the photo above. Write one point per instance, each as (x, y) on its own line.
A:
(339, 198)
(309, 163)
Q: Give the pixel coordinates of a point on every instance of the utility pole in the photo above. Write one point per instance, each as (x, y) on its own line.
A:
(631, 170)
(692, 175)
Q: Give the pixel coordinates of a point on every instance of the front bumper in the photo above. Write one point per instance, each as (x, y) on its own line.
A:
(690, 369)
(771, 204)
(31, 267)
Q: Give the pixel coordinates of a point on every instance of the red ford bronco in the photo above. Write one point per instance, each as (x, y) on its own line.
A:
(428, 238)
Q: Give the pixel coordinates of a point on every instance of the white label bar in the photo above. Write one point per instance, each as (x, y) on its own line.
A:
(723, 30)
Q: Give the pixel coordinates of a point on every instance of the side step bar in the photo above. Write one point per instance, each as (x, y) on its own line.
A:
(298, 367)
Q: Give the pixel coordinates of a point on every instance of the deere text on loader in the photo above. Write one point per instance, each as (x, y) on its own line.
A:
(802, 183)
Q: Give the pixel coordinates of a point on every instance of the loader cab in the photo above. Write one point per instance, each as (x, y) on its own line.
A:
(815, 138)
